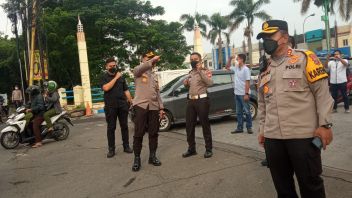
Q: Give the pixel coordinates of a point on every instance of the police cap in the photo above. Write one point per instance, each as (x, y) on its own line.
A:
(149, 55)
(272, 26)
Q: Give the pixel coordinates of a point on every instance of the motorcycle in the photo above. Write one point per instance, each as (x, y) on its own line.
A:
(15, 132)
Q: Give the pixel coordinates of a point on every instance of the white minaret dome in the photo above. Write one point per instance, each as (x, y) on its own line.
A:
(83, 64)
(197, 39)
(79, 25)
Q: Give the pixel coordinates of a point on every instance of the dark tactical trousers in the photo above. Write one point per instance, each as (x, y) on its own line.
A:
(299, 157)
(342, 87)
(145, 120)
(111, 115)
(200, 108)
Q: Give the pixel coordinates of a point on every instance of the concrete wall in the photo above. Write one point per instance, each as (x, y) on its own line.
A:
(342, 38)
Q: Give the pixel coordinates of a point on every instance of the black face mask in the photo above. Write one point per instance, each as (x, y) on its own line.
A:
(194, 64)
(113, 70)
(270, 46)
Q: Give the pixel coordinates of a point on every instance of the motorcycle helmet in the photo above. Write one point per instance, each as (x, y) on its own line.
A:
(50, 86)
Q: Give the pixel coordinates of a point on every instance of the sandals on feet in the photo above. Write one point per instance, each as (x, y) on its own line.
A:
(36, 145)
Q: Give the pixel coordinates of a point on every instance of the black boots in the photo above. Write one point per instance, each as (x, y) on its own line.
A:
(153, 159)
(111, 153)
(136, 163)
(127, 149)
(189, 153)
(208, 153)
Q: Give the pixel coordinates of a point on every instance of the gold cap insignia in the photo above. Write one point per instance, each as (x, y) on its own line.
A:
(150, 54)
(265, 25)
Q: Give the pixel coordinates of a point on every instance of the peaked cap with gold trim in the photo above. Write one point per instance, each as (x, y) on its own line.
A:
(272, 26)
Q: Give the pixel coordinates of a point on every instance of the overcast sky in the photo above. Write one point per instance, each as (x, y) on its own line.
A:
(278, 9)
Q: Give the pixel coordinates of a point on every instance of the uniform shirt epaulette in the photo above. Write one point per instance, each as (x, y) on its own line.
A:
(314, 68)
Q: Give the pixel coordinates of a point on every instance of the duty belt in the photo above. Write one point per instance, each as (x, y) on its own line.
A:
(196, 97)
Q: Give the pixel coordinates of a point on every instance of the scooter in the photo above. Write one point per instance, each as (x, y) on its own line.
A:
(15, 132)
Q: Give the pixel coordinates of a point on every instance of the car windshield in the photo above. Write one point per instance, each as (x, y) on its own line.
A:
(170, 84)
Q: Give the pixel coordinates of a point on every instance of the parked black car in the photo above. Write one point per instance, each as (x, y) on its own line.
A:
(221, 95)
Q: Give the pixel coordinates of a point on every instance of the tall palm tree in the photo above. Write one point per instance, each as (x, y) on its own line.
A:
(218, 25)
(246, 11)
(190, 21)
(345, 6)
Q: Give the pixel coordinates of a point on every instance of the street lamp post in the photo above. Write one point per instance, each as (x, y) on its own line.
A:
(304, 33)
(15, 31)
(325, 18)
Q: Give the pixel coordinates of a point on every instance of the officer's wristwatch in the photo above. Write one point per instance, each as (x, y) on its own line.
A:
(327, 126)
(247, 93)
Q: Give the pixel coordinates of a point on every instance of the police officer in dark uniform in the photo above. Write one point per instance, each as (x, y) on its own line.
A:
(148, 109)
(117, 99)
(198, 80)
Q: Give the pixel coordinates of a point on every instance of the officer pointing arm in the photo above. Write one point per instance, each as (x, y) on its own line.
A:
(139, 70)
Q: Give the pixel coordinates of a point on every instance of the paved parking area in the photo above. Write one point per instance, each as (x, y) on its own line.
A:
(78, 167)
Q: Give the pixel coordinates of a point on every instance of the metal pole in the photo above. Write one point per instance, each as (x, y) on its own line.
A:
(327, 25)
(28, 39)
(304, 33)
(25, 64)
(19, 58)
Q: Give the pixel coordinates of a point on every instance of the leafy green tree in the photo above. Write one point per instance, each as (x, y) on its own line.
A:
(218, 25)
(190, 21)
(345, 6)
(9, 69)
(125, 29)
(247, 11)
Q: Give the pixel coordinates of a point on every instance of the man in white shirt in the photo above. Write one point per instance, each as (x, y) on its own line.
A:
(338, 79)
(242, 77)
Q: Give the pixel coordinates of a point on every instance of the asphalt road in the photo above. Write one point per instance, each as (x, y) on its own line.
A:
(338, 154)
(78, 167)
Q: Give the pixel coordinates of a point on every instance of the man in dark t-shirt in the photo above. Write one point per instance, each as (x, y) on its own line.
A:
(117, 100)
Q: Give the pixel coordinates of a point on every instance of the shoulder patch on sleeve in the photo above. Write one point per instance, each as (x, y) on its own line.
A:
(314, 68)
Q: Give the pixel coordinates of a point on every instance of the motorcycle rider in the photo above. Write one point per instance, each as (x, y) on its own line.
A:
(36, 111)
(52, 103)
